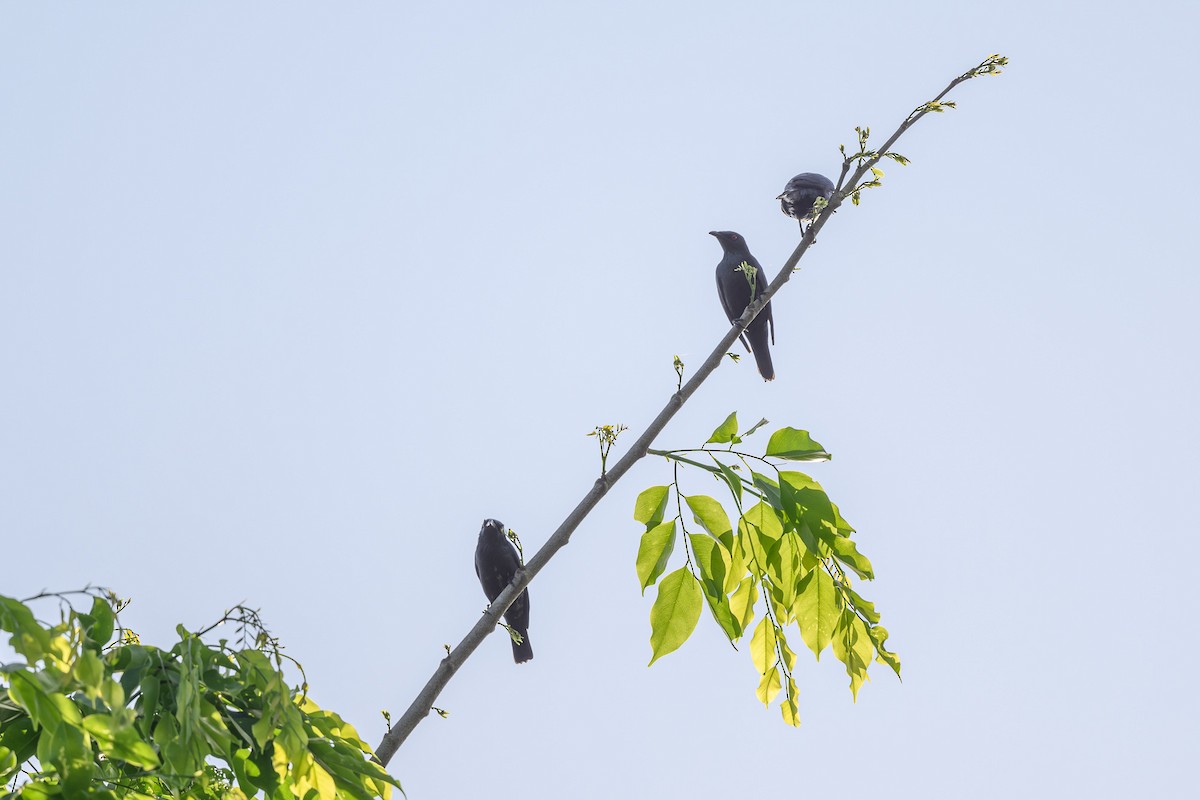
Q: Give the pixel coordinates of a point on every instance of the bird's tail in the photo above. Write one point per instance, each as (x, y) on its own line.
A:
(762, 357)
(524, 651)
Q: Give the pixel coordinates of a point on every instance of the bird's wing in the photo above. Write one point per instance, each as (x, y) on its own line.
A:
(730, 314)
(724, 300)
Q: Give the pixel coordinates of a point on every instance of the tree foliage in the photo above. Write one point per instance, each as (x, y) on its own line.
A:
(91, 712)
(790, 560)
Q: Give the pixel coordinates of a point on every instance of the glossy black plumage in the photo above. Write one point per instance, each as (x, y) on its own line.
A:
(734, 292)
(800, 194)
(496, 561)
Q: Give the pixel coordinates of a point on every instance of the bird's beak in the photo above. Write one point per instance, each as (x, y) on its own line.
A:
(714, 233)
(780, 197)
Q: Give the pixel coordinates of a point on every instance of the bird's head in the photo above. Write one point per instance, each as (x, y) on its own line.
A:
(494, 525)
(731, 241)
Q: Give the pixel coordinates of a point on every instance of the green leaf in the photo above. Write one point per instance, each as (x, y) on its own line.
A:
(675, 613)
(60, 745)
(726, 431)
(46, 709)
(713, 562)
(247, 772)
(19, 736)
(755, 427)
(811, 543)
(8, 764)
(816, 509)
(853, 647)
(99, 623)
(112, 694)
(762, 645)
(864, 607)
(743, 600)
(651, 505)
(768, 687)
(44, 789)
(758, 529)
(790, 708)
(843, 527)
(89, 671)
(654, 552)
(121, 742)
(795, 445)
(769, 488)
(789, 657)
(783, 564)
(712, 517)
(733, 480)
(879, 635)
(29, 638)
(817, 610)
(151, 687)
(737, 565)
(846, 552)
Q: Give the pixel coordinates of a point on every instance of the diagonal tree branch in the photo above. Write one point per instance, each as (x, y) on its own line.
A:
(423, 703)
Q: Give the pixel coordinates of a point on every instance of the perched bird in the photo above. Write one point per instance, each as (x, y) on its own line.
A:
(733, 287)
(496, 562)
(800, 194)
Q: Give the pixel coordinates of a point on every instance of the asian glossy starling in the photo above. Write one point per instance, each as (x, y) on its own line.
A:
(496, 562)
(733, 287)
(800, 194)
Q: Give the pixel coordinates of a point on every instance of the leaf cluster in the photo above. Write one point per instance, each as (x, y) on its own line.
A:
(788, 560)
(90, 714)
(869, 157)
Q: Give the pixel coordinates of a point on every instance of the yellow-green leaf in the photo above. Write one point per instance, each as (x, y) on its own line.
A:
(864, 607)
(653, 553)
(791, 705)
(846, 552)
(98, 625)
(762, 645)
(726, 431)
(816, 609)
(852, 646)
(29, 638)
(759, 527)
(879, 635)
(713, 562)
(768, 687)
(743, 600)
(712, 559)
(651, 505)
(783, 564)
(711, 516)
(733, 480)
(795, 445)
(89, 671)
(675, 612)
(785, 652)
(737, 565)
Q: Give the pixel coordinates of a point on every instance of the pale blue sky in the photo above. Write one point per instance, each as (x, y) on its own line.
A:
(293, 296)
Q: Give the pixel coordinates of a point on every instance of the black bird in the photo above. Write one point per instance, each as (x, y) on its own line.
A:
(496, 562)
(733, 287)
(800, 194)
